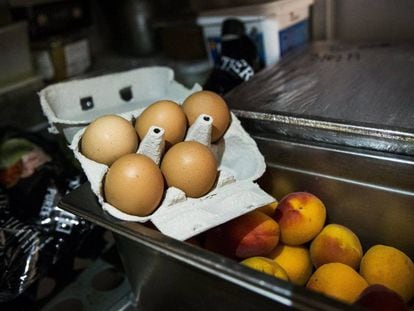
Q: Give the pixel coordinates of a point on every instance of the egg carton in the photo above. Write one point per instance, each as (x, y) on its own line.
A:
(234, 194)
(239, 160)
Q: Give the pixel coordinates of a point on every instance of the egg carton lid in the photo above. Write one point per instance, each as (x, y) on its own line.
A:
(71, 105)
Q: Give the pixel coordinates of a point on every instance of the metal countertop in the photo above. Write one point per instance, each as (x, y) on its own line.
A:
(339, 93)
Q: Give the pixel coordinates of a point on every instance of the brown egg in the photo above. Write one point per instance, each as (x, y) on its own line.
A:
(191, 167)
(167, 115)
(108, 138)
(134, 184)
(212, 104)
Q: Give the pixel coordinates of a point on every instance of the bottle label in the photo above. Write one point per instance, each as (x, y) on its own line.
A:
(239, 67)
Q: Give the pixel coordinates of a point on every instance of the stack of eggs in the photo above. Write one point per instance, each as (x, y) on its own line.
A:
(135, 182)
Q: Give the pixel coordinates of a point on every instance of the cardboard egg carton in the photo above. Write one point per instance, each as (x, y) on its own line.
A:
(235, 193)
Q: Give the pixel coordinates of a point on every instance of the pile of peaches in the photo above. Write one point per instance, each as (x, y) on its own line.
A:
(291, 241)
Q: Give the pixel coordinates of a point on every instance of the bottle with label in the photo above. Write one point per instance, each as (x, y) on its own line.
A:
(238, 60)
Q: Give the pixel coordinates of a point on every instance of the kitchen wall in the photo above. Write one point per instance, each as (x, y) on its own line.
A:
(374, 20)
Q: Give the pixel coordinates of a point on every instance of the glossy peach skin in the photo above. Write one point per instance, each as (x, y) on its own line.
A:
(336, 243)
(267, 266)
(301, 216)
(337, 280)
(295, 260)
(252, 234)
(389, 266)
(268, 209)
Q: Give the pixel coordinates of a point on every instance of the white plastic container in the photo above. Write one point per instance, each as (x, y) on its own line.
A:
(275, 27)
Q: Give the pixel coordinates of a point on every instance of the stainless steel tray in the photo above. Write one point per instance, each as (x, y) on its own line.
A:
(352, 95)
(371, 193)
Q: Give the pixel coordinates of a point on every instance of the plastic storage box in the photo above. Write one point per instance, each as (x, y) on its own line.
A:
(275, 27)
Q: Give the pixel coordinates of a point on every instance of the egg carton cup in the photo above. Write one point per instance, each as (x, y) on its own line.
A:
(235, 193)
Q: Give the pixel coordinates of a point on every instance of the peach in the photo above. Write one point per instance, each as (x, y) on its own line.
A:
(252, 234)
(390, 267)
(338, 281)
(336, 243)
(301, 216)
(295, 260)
(267, 266)
(268, 209)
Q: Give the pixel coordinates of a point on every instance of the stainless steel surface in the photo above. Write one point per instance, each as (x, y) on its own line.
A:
(370, 193)
(342, 134)
(165, 273)
(100, 287)
(355, 95)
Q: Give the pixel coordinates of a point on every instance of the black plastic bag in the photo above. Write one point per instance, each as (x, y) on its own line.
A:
(36, 237)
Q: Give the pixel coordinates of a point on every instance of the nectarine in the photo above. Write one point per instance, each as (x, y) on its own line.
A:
(390, 267)
(295, 260)
(268, 209)
(266, 266)
(301, 216)
(336, 243)
(252, 234)
(337, 280)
